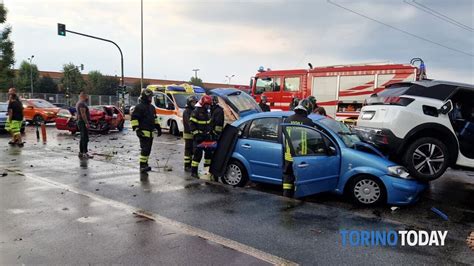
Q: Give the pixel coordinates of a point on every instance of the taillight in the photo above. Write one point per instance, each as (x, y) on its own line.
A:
(402, 101)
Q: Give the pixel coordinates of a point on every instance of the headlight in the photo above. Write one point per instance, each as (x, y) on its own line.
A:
(367, 115)
(399, 171)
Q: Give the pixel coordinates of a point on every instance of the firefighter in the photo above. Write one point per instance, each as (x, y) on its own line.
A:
(294, 103)
(200, 126)
(144, 122)
(313, 102)
(188, 137)
(263, 104)
(217, 118)
(302, 110)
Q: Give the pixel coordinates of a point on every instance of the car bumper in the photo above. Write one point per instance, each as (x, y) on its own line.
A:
(382, 138)
(403, 191)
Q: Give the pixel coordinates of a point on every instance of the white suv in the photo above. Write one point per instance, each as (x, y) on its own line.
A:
(426, 125)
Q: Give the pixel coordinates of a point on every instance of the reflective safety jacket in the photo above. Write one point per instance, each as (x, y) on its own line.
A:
(186, 122)
(297, 119)
(217, 120)
(200, 124)
(144, 118)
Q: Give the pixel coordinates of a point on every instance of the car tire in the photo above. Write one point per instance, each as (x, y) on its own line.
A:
(367, 190)
(37, 120)
(120, 126)
(235, 174)
(426, 158)
(174, 128)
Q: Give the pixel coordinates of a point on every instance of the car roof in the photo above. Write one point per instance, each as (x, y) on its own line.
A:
(431, 83)
(225, 91)
(276, 114)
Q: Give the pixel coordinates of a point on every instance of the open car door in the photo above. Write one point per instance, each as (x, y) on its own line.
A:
(316, 159)
(223, 152)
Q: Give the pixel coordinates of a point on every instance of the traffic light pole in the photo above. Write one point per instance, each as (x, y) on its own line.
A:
(105, 40)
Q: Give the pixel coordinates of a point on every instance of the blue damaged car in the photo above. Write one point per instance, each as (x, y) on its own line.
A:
(334, 160)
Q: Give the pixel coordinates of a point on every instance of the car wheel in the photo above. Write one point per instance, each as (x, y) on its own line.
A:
(235, 175)
(38, 120)
(174, 128)
(426, 158)
(120, 126)
(367, 190)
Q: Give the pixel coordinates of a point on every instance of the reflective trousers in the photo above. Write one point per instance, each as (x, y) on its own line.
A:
(197, 156)
(145, 150)
(288, 179)
(188, 152)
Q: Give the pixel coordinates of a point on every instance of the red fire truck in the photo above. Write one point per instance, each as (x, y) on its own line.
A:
(341, 90)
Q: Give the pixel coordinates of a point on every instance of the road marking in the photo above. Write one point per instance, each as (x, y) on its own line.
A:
(182, 227)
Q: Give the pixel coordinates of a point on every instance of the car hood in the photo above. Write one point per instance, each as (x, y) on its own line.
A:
(356, 158)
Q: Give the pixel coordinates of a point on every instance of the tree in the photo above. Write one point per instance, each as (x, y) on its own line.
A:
(7, 54)
(95, 82)
(23, 79)
(72, 78)
(196, 82)
(47, 85)
(111, 85)
(137, 89)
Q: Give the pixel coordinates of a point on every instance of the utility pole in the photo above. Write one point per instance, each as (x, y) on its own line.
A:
(196, 72)
(141, 80)
(31, 74)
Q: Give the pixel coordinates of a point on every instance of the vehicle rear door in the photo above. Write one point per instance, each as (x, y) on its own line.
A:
(316, 160)
(261, 147)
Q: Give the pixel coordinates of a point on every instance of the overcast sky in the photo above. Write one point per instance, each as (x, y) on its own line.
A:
(236, 37)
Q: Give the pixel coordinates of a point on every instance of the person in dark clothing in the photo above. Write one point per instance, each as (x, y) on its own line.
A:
(263, 104)
(320, 111)
(15, 119)
(83, 117)
(188, 137)
(144, 122)
(294, 102)
(200, 125)
(300, 117)
(217, 119)
(313, 102)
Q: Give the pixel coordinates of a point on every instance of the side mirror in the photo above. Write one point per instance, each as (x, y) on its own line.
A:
(446, 107)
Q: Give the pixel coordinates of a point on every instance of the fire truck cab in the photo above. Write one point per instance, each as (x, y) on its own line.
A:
(341, 90)
(170, 101)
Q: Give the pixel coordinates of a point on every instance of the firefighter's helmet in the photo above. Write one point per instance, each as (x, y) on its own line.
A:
(146, 95)
(205, 100)
(192, 100)
(304, 105)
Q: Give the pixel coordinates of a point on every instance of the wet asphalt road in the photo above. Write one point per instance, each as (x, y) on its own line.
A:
(82, 211)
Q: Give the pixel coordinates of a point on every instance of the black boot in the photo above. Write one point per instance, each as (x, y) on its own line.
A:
(144, 168)
(194, 172)
(288, 193)
(187, 167)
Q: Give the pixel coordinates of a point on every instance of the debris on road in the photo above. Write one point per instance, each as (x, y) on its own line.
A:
(440, 213)
(394, 208)
(470, 241)
(4, 173)
(144, 214)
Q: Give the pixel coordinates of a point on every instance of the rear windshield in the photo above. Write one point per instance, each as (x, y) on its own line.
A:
(390, 96)
(243, 102)
(3, 107)
(42, 104)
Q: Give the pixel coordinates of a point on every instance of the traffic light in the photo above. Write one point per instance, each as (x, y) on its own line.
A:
(61, 29)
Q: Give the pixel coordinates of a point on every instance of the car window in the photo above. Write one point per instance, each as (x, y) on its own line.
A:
(264, 129)
(42, 104)
(342, 130)
(267, 84)
(292, 84)
(242, 102)
(3, 107)
(306, 141)
(160, 100)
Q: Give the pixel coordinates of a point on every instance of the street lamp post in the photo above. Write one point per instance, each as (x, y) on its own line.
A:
(31, 74)
(196, 72)
(229, 78)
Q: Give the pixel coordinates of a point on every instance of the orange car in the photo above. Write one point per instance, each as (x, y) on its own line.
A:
(39, 111)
